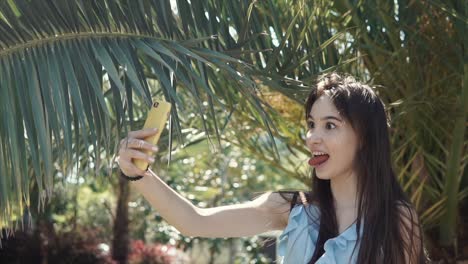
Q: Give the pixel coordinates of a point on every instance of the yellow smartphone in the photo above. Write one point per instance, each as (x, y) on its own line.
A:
(157, 118)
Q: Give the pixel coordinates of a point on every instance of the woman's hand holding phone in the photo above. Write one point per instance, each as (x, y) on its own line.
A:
(137, 150)
(135, 147)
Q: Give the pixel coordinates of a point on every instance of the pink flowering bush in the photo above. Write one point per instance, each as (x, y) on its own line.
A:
(142, 253)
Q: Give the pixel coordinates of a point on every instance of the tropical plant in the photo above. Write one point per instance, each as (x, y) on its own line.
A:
(66, 79)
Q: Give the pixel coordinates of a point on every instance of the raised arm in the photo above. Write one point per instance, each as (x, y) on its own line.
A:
(265, 213)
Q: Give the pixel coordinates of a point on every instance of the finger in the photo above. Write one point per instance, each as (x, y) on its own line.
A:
(136, 154)
(141, 144)
(144, 133)
(129, 169)
(128, 154)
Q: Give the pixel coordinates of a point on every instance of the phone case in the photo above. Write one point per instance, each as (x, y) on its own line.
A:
(156, 118)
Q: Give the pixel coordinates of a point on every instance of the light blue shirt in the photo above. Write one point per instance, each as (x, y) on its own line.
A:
(297, 242)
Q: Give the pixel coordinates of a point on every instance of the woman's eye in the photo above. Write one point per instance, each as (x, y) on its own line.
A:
(330, 125)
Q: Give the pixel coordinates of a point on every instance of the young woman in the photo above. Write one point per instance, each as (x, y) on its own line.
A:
(355, 212)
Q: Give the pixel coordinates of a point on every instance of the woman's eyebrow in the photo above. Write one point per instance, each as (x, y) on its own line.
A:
(326, 118)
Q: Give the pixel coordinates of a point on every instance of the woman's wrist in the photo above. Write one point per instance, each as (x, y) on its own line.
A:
(130, 178)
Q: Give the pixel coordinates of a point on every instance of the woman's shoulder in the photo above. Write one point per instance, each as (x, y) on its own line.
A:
(299, 236)
(405, 209)
(297, 197)
(300, 202)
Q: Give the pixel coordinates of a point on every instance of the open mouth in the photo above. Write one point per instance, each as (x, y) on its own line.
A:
(318, 158)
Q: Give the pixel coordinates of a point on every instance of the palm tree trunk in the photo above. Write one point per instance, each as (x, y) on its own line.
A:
(448, 226)
(120, 242)
(452, 184)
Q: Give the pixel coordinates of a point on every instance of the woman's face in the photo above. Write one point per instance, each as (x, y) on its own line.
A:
(330, 134)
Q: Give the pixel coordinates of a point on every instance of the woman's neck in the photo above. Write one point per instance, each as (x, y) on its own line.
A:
(344, 190)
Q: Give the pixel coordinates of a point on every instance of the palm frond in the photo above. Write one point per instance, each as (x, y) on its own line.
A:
(73, 69)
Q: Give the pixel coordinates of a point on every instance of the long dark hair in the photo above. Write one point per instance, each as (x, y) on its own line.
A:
(391, 229)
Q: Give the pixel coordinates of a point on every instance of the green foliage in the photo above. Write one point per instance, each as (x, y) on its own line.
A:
(80, 246)
(73, 85)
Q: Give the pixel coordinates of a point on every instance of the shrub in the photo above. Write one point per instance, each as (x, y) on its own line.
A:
(78, 247)
(142, 253)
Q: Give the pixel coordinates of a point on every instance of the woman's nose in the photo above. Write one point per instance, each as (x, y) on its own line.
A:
(313, 138)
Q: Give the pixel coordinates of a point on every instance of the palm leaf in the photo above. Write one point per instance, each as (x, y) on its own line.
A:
(74, 68)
